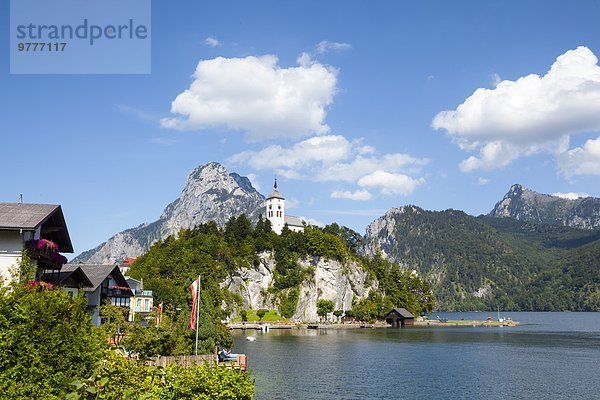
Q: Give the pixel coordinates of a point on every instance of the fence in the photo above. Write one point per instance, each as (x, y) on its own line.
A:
(186, 361)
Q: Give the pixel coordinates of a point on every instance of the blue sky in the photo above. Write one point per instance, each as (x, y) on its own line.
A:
(356, 114)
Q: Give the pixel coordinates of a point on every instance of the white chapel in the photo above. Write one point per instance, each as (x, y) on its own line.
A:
(275, 205)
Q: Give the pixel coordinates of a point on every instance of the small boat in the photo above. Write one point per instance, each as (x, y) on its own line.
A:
(312, 327)
(250, 339)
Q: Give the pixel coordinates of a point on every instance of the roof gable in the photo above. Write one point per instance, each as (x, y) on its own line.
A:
(24, 216)
(74, 278)
(48, 217)
(403, 312)
(97, 273)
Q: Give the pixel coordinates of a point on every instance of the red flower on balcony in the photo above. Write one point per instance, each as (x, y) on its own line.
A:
(120, 288)
(46, 244)
(58, 258)
(47, 251)
(39, 285)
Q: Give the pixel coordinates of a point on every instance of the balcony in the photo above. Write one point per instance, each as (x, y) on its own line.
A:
(142, 293)
(45, 253)
(116, 291)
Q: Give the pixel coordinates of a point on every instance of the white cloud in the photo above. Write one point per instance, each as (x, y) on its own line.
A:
(358, 195)
(483, 181)
(325, 46)
(492, 155)
(312, 221)
(330, 158)
(256, 95)
(530, 115)
(325, 149)
(584, 160)
(571, 195)
(496, 79)
(212, 42)
(254, 181)
(360, 166)
(390, 184)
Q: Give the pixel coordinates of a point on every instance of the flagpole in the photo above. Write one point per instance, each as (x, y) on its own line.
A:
(197, 312)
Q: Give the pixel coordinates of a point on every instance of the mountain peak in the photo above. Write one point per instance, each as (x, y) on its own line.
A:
(515, 190)
(527, 205)
(211, 193)
(206, 172)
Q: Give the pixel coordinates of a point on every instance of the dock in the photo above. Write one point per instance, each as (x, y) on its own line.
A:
(474, 323)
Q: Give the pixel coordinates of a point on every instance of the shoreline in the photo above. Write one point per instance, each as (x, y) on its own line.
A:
(428, 323)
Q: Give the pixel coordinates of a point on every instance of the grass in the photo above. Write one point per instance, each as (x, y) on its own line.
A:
(270, 316)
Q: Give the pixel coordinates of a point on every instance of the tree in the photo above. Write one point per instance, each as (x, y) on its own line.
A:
(261, 313)
(114, 323)
(26, 269)
(324, 307)
(244, 315)
(47, 339)
(365, 310)
(157, 340)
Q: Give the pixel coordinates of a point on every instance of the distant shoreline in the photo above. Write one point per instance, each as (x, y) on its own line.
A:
(427, 323)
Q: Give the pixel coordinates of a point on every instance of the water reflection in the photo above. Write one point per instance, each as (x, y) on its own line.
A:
(546, 357)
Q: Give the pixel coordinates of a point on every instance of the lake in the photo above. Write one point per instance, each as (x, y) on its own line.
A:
(551, 355)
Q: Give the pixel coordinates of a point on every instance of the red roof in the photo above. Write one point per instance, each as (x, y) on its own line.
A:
(129, 260)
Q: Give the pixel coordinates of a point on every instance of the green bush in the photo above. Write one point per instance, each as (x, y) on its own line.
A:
(46, 340)
(118, 378)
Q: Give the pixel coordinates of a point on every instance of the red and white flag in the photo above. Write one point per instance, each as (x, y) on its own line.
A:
(194, 291)
(159, 310)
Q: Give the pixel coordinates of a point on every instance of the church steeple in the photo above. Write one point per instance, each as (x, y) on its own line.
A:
(275, 205)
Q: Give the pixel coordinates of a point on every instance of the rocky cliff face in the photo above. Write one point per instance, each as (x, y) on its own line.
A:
(380, 236)
(210, 194)
(526, 205)
(332, 280)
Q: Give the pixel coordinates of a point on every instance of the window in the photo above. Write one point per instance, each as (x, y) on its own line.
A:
(120, 301)
(147, 305)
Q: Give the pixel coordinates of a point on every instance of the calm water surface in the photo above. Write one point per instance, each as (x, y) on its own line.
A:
(550, 356)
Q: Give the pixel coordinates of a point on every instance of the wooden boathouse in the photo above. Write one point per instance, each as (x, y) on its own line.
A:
(399, 317)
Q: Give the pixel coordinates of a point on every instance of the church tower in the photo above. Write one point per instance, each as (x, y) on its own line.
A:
(276, 209)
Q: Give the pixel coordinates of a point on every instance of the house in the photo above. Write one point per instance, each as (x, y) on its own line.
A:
(108, 285)
(38, 228)
(399, 317)
(275, 205)
(141, 303)
(126, 264)
(71, 281)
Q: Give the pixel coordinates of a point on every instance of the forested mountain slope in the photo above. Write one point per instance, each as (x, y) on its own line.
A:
(484, 262)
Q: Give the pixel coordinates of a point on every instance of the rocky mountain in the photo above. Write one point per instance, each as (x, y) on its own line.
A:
(210, 194)
(483, 262)
(333, 280)
(526, 205)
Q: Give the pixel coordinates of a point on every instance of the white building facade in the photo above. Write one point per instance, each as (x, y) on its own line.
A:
(39, 228)
(275, 207)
